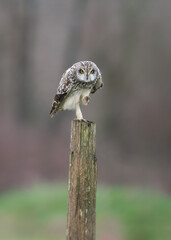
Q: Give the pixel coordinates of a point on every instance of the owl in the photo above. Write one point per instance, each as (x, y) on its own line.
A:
(75, 87)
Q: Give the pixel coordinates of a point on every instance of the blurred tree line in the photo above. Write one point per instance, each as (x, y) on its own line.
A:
(131, 43)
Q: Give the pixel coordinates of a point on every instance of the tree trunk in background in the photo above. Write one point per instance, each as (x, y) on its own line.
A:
(25, 82)
(75, 32)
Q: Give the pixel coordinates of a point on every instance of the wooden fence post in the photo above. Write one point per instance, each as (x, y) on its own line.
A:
(81, 222)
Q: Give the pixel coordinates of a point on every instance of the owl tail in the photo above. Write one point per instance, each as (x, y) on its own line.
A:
(54, 109)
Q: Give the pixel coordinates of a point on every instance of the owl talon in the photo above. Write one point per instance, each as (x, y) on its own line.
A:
(84, 120)
(86, 100)
(78, 119)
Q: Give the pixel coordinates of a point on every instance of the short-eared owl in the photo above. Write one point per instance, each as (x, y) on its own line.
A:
(75, 87)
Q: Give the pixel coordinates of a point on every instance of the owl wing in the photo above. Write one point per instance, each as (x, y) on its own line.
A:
(63, 90)
(99, 83)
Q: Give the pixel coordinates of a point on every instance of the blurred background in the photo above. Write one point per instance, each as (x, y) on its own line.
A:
(130, 41)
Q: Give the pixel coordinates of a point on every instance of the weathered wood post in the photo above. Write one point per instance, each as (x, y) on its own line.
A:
(82, 182)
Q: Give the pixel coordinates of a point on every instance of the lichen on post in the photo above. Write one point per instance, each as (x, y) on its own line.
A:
(82, 183)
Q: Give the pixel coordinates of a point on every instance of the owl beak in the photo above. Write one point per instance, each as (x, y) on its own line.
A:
(87, 76)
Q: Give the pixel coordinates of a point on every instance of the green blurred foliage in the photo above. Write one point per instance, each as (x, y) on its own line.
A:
(122, 213)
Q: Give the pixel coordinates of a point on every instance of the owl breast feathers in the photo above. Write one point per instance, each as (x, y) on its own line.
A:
(75, 87)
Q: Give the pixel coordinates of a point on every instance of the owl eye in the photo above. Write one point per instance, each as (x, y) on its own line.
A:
(81, 71)
(92, 71)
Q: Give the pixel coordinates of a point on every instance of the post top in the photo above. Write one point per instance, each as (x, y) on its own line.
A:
(85, 122)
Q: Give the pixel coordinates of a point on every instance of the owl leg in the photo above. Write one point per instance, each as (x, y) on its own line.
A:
(78, 112)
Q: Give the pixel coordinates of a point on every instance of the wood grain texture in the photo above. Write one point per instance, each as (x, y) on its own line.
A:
(82, 182)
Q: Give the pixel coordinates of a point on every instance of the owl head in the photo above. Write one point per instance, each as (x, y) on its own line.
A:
(87, 71)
